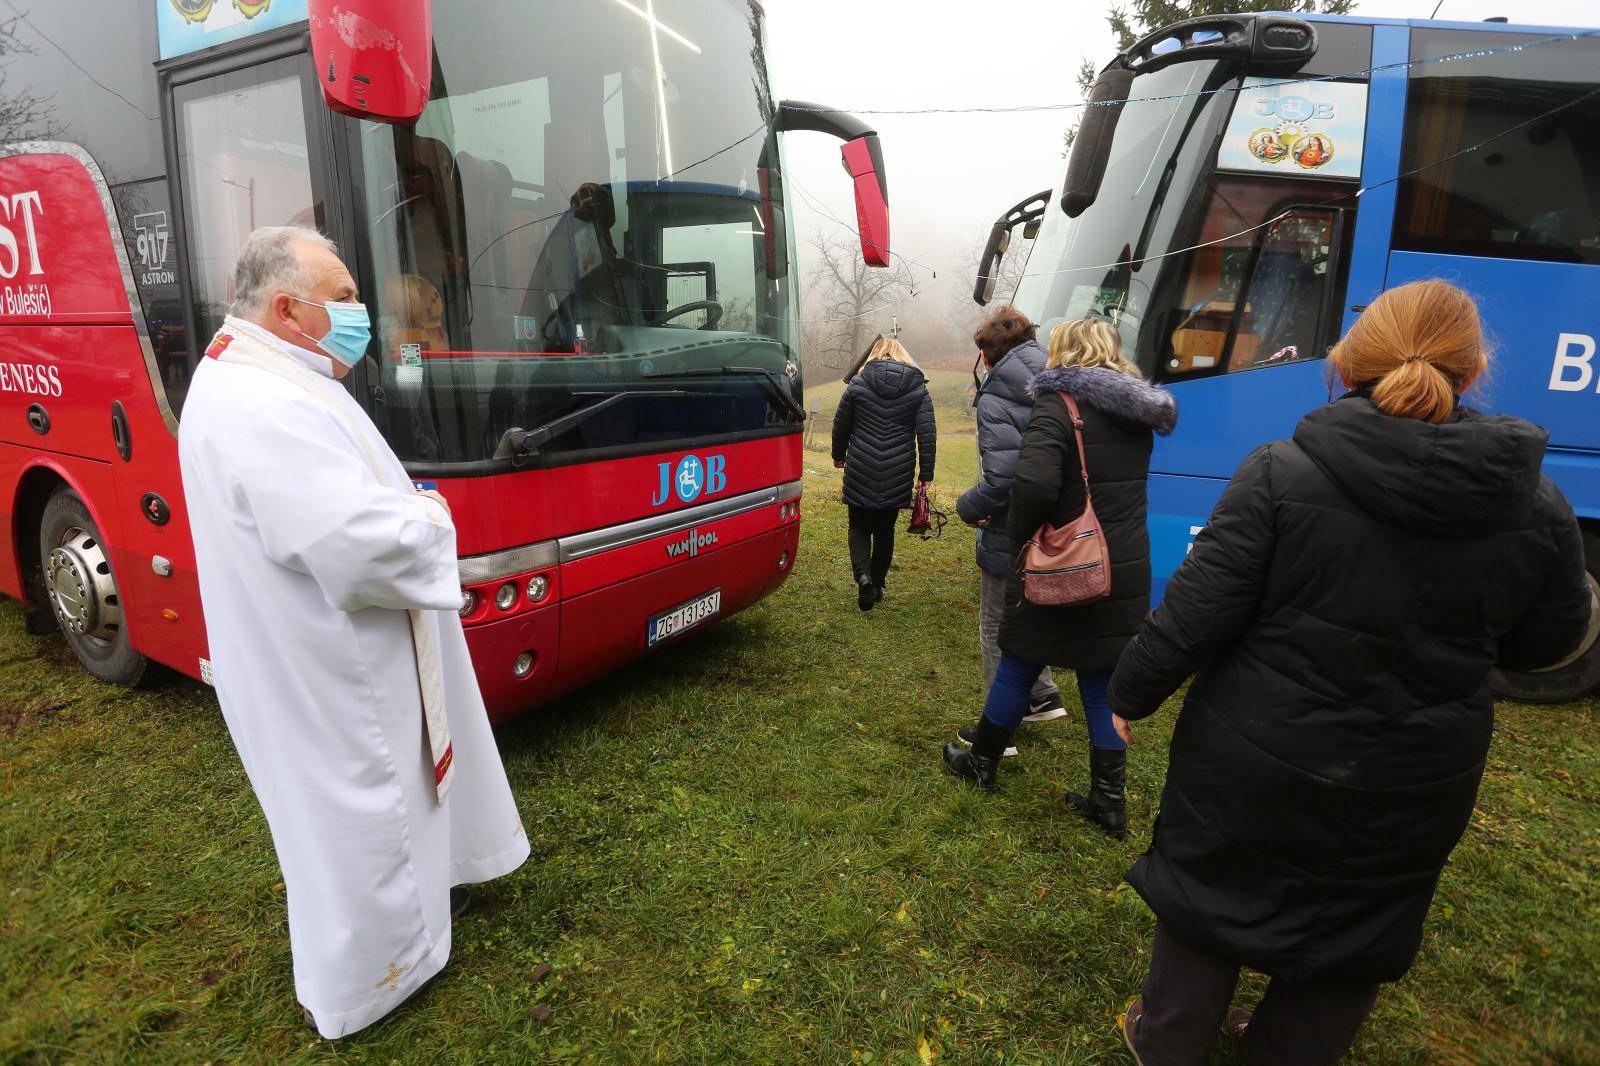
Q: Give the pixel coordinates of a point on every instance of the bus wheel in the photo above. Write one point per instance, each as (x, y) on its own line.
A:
(82, 591)
(1579, 672)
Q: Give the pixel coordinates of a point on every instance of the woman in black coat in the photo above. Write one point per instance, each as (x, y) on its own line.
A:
(882, 432)
(1341, 612)
(1121, 415)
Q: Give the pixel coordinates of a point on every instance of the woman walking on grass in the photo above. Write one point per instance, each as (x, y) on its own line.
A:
(1342, 610)
(883, 432)
(1006, 345)
(1121, 414)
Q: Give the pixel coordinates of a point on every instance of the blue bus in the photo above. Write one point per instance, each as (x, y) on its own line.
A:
(1247, 184)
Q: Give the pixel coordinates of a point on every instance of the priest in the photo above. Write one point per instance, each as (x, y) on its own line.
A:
(331, 595)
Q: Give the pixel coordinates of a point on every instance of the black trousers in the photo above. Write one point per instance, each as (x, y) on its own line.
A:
(1186, 998)
(872, 541)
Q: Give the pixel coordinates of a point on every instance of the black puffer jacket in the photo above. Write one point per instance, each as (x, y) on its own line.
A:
(884, 424)
(1005, 403)
(1120, 416)
(1342, 609)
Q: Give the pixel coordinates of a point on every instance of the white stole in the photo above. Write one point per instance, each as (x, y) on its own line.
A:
(241, 346)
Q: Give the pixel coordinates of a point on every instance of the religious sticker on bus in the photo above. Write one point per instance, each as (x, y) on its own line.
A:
(1307, 129)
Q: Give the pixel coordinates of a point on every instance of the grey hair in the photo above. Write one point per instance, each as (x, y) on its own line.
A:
(268, 265)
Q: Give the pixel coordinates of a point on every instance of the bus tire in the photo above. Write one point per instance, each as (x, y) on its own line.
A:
(81, 591)
(1574, 676)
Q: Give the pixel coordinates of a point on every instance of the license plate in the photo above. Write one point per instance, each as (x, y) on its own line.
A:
(684, 618)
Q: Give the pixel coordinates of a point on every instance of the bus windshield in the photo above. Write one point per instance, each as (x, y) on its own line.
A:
(1084, 266)
(587, 206)
(1214, 244)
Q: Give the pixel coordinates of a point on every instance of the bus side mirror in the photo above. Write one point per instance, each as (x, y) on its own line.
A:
(863, 161)
(1091, 149)
(374, 58)
(1027, 212)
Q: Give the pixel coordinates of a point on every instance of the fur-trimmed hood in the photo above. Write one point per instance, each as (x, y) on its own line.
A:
(1114, 393)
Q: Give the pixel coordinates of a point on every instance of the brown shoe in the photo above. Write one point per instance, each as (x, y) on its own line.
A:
(1130, 1022)
(305, 1012)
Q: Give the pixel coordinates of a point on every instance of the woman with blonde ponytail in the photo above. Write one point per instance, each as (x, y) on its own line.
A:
(1340, 613)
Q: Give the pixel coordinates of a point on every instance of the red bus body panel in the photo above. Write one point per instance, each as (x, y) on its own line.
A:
(505, 510)
(70, 344)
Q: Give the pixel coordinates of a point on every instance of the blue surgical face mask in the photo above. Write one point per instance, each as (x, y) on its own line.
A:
(349, 330)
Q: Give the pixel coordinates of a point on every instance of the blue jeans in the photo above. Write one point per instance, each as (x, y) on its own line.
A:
(1013, 681)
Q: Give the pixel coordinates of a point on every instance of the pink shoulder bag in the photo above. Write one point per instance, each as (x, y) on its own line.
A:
(1068, 566)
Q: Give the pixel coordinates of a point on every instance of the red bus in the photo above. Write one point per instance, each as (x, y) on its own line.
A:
(570, 225)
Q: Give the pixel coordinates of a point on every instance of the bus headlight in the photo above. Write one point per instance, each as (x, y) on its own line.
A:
(538, 586)
(505, 597)
(523, 666)
(469, 602)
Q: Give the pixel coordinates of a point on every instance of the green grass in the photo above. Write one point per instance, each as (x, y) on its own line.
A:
(744, 852)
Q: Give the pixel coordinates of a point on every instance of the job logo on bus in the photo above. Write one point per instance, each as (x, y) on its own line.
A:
(28, 298)
(690, 478)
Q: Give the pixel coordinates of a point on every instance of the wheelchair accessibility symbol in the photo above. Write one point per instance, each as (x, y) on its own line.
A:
(690, 478)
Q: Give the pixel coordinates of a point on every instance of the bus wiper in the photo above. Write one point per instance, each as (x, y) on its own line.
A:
(519, 445)
(774, 388)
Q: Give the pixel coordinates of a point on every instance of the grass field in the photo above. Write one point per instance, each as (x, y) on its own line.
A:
(744, 852)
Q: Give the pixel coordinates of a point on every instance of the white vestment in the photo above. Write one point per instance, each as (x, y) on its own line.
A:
(308, 565)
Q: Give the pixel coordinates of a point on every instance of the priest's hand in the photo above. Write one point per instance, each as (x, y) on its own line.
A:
(432, 495)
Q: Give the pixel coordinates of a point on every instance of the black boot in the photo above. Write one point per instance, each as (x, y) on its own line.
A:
(865, 595)
(1106, 803)
(978, 763)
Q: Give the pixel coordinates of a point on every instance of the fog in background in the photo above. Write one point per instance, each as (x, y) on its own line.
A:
(951, 175)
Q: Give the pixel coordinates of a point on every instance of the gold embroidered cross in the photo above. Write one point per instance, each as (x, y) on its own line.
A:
(393, 980)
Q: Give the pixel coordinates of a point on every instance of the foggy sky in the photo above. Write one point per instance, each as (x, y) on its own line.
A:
(950, 176)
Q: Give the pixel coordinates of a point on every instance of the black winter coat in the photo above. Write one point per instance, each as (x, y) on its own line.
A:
(1342, 610)
(1120, 416)
(884, 424)
(1004, 405)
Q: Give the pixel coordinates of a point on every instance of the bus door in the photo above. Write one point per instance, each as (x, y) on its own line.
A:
(1501, 196)
(239, 156)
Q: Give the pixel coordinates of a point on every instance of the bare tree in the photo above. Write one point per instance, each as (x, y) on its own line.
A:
(24, 115)
(1146, 16)
(963, 313)
(841, 295)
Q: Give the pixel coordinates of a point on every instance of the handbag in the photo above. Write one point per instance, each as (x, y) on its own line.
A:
(927, 521)
(1070, 565)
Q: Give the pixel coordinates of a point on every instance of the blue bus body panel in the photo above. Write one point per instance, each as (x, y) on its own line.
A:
(1179, 508)
(1380, 165)
(1541, 319)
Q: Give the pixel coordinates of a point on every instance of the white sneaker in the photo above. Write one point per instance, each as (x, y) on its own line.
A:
(1046, 714)
(967, 732)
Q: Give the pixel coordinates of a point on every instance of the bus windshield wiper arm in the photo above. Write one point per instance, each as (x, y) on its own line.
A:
(775, 388)
(519, 445)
